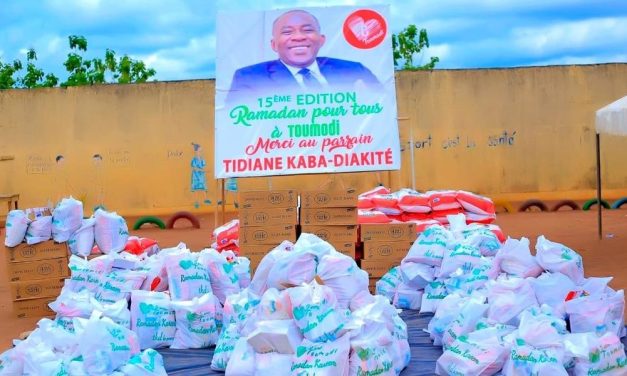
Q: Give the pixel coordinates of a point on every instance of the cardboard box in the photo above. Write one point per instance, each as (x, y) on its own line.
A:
(40, 288)
(328, 216)
(347, 248)
(42, 269)
(287, 198)
(266, 234)
(268, 216)
(329, 199)
(388, 251)
(377, 269)
(40, 251)
(33, 308)
(337, 233)
(388, 231)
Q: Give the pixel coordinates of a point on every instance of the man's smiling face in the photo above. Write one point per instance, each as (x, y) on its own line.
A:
(296, 38)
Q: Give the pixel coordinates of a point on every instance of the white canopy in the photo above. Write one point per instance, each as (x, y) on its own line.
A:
(612, 119)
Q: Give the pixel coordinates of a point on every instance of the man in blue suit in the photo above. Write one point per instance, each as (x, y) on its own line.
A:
(296, 39)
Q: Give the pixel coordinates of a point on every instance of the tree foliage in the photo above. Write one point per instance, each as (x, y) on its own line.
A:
(81, 70)
(409, 42)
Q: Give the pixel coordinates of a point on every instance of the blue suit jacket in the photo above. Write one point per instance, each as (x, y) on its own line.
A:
(264, 77)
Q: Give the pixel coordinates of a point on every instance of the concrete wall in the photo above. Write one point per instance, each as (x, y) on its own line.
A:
(507, 133)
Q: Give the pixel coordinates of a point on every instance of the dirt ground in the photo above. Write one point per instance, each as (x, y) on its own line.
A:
(575, 229)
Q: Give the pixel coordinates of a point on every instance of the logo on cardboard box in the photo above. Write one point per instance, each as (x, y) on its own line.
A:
(395, 232)
(34, 289)
(28, 252)
(275, 198)
(323, 216)
(322, 198)
(44, 269)
(261, 217)
(260, 235)
(323, 234)
(385, 250)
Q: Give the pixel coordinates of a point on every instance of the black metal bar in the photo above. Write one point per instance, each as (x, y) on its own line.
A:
(600, 220)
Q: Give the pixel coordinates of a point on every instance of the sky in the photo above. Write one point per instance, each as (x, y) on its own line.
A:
(177, 37)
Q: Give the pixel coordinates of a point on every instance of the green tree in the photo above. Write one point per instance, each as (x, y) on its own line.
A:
(409, 42)
(83, 71)
(7, 71)
(34, 76)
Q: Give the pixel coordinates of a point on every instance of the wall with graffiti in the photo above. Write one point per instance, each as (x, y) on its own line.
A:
(148, 148)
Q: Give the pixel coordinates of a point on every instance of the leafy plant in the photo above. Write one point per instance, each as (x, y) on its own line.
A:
(409, 42)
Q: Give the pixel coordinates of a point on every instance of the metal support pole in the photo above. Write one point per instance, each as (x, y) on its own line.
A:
(600, 217)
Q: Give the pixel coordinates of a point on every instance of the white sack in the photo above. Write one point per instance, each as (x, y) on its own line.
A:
(82, 241)
(196, 322)
(515, 258)
(16, 227)
(110, 231)
(152, 318)
(340, 273)
(39, 230)
(556, 257)
(67, 217)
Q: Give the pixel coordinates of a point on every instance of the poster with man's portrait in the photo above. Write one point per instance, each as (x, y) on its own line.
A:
(305, 90)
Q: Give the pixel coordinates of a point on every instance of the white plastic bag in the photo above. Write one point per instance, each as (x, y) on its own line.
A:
(118, 284)
(444, 315)
(152, 318)
(433, 294)
(315, 313)
(292, 269)
(105, 346)
(221, 267)
(147, 363)
(259, 282)
(322, 359)
(416, 276)
(462, 256)
(242, 269)
(343, 276)
(387, 285)
(118, 311)
(87, 275)
(370, 355)
(597, 313)
(431, 246)
(273, 364)
(110, 231)
(225, 346)
(604, 355)
(242, 360)
(195, 322)
(39, 230)
(407, 297)
(16, 227)
(468, 316)
(551, 289)
(526, 360)
(466, 357)
(275, 305)
(81, 242)
(476, 278)
(280, 336)
(515, 258)
(187, 277)
(556, 257)
(67, 217)
(238, 307)
(508, 297)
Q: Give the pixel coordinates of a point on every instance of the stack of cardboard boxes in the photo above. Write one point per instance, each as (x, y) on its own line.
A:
(266, 218)
(385, 245)
(36, 274)
(332, 216)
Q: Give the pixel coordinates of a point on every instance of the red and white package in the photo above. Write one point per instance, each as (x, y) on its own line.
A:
(422, 225)
(380, 190)
(227, 234)
(443, 200)
(372, 216)
(387, 203)
(441, 215)
(479, 218)
(410, 217)
(498, 232)
(414, 202)
(136, 245)
(475, 203)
